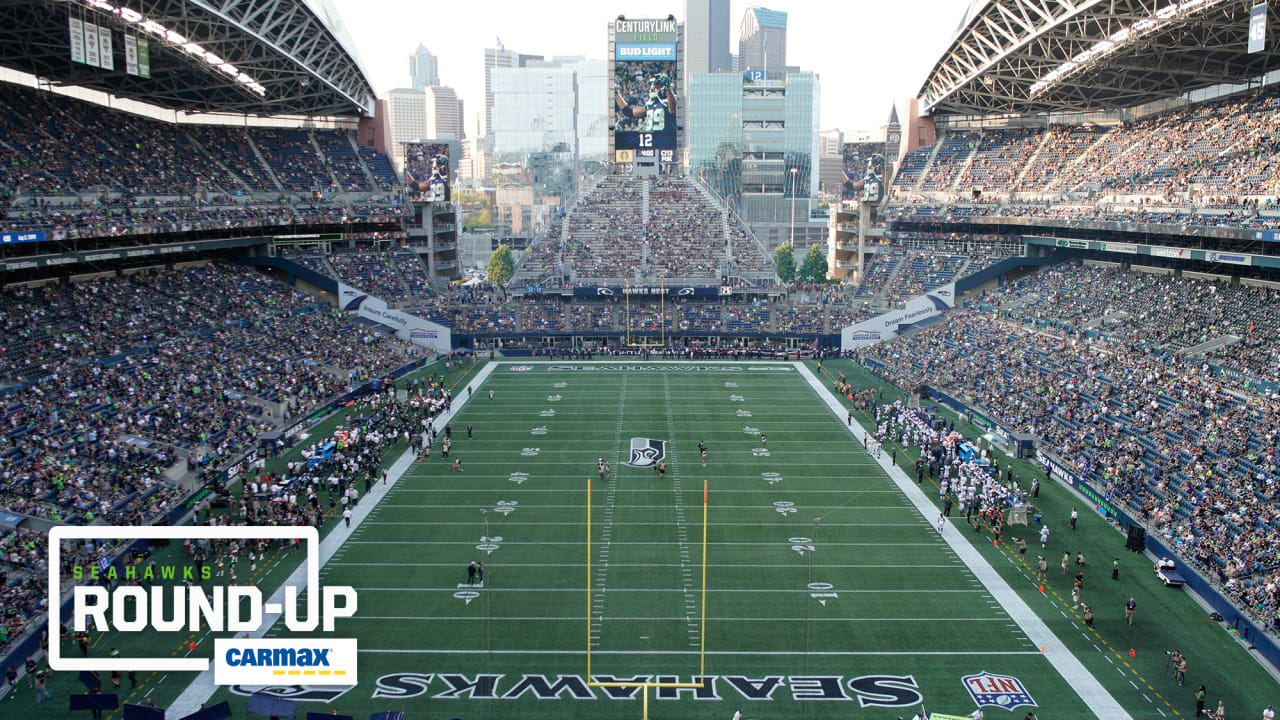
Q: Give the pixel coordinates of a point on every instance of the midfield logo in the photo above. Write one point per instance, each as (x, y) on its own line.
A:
(647, 452)
(1004, 691)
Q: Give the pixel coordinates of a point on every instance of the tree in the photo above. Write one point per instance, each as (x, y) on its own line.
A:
(784, 261)
(814, 268)
(501, 266)
(481, 218)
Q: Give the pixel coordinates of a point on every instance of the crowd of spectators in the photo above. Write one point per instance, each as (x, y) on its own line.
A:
(117, 379)
(1183, 447)
(76, 169)
(1169, 168)
(644, 230)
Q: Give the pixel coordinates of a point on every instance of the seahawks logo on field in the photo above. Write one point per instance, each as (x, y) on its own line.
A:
(647, 452)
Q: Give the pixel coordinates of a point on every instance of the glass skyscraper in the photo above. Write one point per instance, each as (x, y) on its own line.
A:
(747, 136)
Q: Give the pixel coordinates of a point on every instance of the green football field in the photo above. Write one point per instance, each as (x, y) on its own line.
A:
(825, 588)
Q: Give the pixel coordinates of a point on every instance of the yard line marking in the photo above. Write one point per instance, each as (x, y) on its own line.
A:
(732, 653)
(1091, 692)
(404, 543)
(454, 618)
(606, 523)
(801, 591)
(561, 491)
(524, 507)
(601, 584)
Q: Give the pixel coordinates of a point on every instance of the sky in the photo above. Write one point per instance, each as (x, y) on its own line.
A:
(869, 54)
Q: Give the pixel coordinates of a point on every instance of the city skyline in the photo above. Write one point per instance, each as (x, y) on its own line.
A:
(846, 44)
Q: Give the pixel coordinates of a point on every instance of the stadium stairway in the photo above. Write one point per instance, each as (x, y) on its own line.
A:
(928, 165)
(327, 162)
(1031, 161)
(217, 159)
(963, 172)
(262, 160)
(364, 167)
(1210, 345)
(878, 300)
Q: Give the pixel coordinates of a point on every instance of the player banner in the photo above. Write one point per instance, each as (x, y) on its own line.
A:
(426, 171)
(76, 28)
(106, 56)
(1258, 27)
(863, 172)
(131, 54)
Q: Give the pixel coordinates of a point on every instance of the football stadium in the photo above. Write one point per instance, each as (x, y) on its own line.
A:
(318, 404)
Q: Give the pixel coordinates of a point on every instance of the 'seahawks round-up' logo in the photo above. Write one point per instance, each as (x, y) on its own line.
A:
(243, 659)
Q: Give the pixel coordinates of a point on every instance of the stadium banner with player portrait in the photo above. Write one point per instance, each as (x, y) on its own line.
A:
(644, 87)
(426, 171)
(863, 172)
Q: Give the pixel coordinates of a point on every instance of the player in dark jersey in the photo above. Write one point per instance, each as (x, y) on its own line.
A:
(702, 451)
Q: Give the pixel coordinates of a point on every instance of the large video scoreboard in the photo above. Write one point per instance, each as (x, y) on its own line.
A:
(644, 85)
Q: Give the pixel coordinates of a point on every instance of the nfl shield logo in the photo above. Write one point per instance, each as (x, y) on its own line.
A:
(646, 452)
(1003, 691)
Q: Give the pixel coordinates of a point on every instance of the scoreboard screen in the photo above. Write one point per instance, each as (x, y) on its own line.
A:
(645, 80)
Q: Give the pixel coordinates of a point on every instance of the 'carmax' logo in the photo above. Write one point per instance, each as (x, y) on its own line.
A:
(265, 661)
(262, 657)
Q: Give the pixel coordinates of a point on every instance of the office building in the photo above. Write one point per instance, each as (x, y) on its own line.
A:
(706, 38)
(496, 58)
(756, 143)
(762, 40)
(424, 70)
(549, 117)
(432, 113)
(443, 112)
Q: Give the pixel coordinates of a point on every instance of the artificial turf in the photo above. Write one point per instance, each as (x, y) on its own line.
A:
(827, 593)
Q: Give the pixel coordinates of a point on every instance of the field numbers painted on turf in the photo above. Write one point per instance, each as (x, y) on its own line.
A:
(822, 592)
(553, 398)
(506, 507)
(784, 508)
(540, 430)
(771, 477)
(518, 477)
(802, 545)
(730, 384)
(547, 413)
(489, 544)
(744, 413)
(466, 595)
(560, 385)
(760, 452)
(736, 398)
(530, 452)
(748, 430)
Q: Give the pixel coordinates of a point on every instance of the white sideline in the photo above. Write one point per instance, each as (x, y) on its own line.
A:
(202, 687)
(1095, 697)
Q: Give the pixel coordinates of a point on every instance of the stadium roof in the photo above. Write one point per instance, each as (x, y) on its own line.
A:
(1029, 56)
(262, 57)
